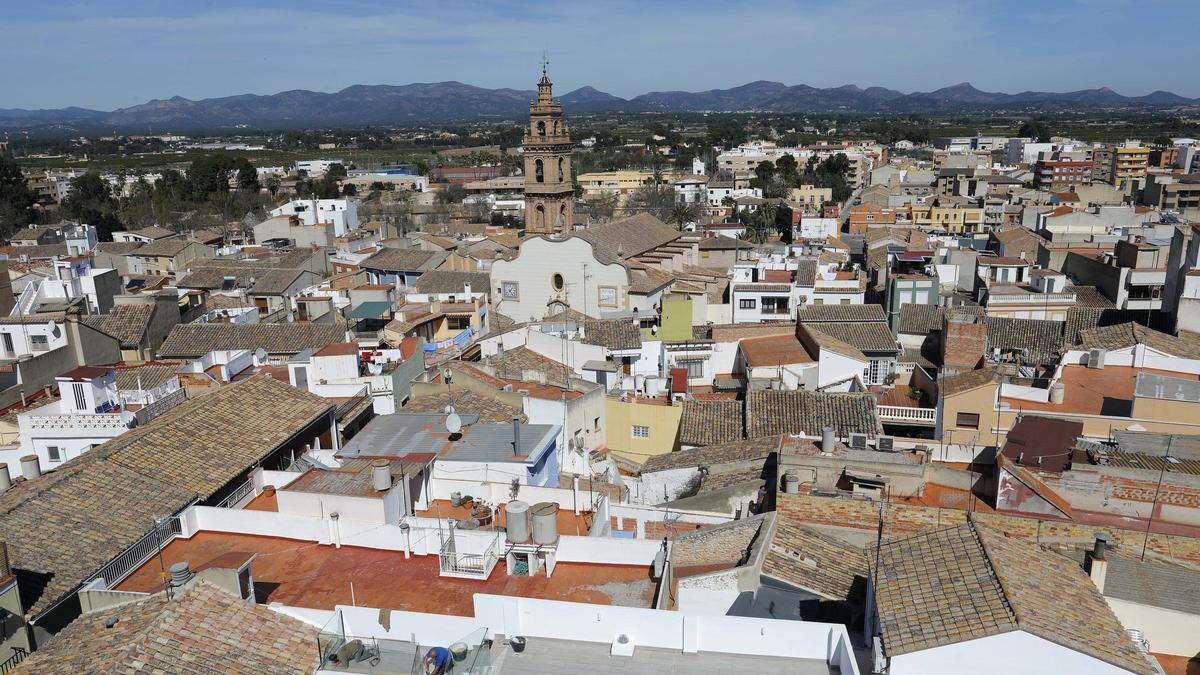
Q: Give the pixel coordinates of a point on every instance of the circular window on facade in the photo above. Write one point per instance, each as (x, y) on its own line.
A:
(558, 282)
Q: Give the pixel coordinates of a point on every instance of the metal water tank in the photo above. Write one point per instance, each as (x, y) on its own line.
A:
(30, 467)
(516, 521)
(545, 522)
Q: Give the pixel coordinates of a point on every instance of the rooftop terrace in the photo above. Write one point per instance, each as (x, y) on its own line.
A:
(1104, 391)
(320, 576)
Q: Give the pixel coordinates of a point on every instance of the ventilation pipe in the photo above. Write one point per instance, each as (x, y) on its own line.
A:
(180, 574)
(30, 467)
(1096, 566)
(381, 475)
(516, 435)
(5, 477)
(828, 439)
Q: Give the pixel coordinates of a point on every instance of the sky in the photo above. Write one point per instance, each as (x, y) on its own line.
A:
(116, 53)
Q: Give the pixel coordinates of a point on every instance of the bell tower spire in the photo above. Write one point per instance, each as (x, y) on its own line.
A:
(549, 188)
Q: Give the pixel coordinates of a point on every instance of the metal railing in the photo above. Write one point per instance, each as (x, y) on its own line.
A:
(244, 490)
(899, 413)
(11, 662)
(473, 565)
(137, 553)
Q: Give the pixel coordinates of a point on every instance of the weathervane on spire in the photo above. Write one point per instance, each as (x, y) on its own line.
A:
(545, 61)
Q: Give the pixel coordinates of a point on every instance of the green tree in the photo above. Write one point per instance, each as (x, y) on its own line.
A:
(1035, 129)
(336, 170)
(682, 213)
(16, 199)
(91, 201)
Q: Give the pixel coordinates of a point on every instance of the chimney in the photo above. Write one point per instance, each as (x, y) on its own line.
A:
(5, 568)
(30, 468)
(5, 477)
(381, 475)
(828, 439)
(1095, 565)
(963, 341)
(516, 435)
(180, 574)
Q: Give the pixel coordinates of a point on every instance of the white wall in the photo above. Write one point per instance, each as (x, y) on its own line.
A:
(534, 268)
(1167, 631)
(1005, 654)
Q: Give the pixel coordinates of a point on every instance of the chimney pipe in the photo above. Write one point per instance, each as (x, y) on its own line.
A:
(30, 467)
(5, 477)
(1095, 564)
(180, 574)
(516, 435)
(381, 476)
(828, 439)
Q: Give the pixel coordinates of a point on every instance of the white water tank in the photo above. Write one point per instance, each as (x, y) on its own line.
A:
(381, 475)
(1058, 392)
(545, 522)
(516, 521)
(30, 467)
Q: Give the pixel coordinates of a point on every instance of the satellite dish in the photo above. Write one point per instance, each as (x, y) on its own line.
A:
(52, 328)
(453, 423)
(260, 355)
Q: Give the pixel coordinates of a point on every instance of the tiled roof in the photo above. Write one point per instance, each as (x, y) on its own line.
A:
(466, 401)
(1090, 296)
(923, 319)
(865, 336)
(66, 525)
(1040, 338)
(404, 260)
(774, 350)
(709, 455)
(825, 341)
(194, 340)
(511, 364)
(154, 232)
(956, 384)
(205, 629)
(771, 413)
(1125, 335)
(162, 248)
(204, 443)
(648, 280)
(149, 376)
(126, 323)
(953, 585)
(721, 546)
(628, 237)
(841, 313)
(1152, 583)
(42, 251)
(612, 333)
(277, 280)
(1080, 319)
(804, 557)
(710, 422)
(446, 281)
(118, 247)
(806, 272)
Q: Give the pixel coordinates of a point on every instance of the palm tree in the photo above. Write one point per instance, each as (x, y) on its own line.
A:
(681, 214)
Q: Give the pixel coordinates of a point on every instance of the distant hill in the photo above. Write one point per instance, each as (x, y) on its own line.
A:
(442, 101)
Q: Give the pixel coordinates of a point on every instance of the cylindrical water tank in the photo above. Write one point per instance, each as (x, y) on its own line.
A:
(545, 522)
(5, 477)
(1058, 392)
(381, 475)
(516, 521)
(30, 467)
(791, 483)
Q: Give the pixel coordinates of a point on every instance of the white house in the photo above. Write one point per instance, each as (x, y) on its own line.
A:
(343, 213)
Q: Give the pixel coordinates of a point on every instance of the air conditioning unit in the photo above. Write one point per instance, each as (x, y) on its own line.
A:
(1096, 358)
(858, 441)
(885, 443)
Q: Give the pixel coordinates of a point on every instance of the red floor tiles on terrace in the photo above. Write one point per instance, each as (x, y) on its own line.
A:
(306, 574)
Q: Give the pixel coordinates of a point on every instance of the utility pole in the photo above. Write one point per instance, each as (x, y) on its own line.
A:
(1162, 472)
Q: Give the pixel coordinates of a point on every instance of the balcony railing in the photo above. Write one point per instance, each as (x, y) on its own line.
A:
(137, 553)
(11, 662)
(906, 415)
(469, 565)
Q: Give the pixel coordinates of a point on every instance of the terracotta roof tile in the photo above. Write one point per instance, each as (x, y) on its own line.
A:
(612, 333)
(195, 340)
(841, 313)
(710, 422)
(771, 413)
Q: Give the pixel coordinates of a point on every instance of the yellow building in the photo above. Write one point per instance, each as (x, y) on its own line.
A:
(954, 219)
(811, 196)
(616, 182)
(1129, 161)
(642, 428)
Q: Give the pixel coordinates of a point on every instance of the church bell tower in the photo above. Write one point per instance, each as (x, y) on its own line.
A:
(549, 189)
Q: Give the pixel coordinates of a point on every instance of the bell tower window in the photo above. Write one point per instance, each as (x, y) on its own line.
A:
(560, 169)
(541, 128)
(539, 171)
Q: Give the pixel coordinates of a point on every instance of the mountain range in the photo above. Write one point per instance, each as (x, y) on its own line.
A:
(442, 101)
